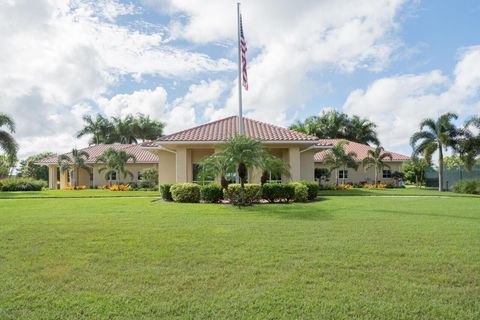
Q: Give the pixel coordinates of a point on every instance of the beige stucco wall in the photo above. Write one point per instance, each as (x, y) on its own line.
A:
(166, 167)
(307, 165)
(361, 174)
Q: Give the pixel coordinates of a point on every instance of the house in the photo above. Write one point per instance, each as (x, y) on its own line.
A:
(180, 153)
(93, 178)
(359, 175)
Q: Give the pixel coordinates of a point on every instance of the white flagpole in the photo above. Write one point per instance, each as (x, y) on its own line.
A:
(240, 111)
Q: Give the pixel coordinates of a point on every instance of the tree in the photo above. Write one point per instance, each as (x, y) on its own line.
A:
(436, 135)
(99, 127)
(125, 130)
(453, 162)
(7, 142)
(145, 128)
(28, 168)
(414, 170)
(337, 125)
(274, 166)
(114, 162)
(376, 159)
(7, 164)
(337, 157)
(217, 165)
(150, 177)
(469, 145)
(74, 162)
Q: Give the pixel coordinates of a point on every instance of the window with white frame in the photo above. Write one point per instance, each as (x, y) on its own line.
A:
(343, 174)
(274, 178)
(387, 173)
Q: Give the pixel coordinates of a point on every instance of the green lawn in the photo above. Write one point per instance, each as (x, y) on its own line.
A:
(88, 193)
(338, 258)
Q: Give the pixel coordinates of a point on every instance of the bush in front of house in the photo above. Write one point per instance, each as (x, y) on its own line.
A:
(22, 184)
(470, 186)
(165, 192)
(185, 192)
(300, 192)
(278, 192)
(253, 193)
(312, 189)
(212, 192)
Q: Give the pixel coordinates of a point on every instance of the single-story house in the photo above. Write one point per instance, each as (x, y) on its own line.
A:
(179, 153)
(360, 175)
(93, 178)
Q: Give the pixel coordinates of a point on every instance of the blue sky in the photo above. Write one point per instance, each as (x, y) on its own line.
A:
(392, 61)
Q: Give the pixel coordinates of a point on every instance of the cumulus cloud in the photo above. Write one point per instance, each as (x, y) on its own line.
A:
(397, 104)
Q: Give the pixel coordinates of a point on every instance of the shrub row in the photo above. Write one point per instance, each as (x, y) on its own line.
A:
(22, 184)
(273, 192)
(471, 186)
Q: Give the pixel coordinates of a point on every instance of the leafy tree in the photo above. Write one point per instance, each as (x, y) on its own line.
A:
(7, 142)
(217, 164)
(337, 125)
(337, 157)
(453, 162)
(114, 162)
(469, 145)
(7, 164)
(436, 135)
(376, 159)
(150, 175)
(75, 162)
(414, 170)
(28, 168)
(275, 166)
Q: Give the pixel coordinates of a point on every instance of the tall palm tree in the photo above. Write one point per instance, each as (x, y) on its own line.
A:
(337, 157)
(124, 130)
(361, 131)
(376, 159)
(75, 162)
(310, 126)
(436, 135)
(145, 128)
(7, 142)
(114, 162)
(99, 127)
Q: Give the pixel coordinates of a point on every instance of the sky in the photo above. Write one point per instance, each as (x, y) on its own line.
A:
(394, 62)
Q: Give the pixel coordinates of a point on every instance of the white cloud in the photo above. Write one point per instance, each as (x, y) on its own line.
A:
(397, 104)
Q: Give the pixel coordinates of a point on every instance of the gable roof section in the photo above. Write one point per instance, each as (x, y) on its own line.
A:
(143, 156)
(360, 149)
(225, 129)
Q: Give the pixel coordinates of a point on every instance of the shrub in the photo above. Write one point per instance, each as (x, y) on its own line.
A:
(165, 192)
(300, 192)
(119, 187)
(278, 192)
(312, 189)
(134, 185)
(185, 192)
(149, 178)
(253, 193)
(22, 184)
(212, 192)
(471, 186)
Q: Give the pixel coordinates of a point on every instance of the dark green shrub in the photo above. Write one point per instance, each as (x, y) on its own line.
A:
(253, 193)
(471, 186)
(133, 185)
(300, 193)
(312, 189)
(165, 192)
(185, 192)
(22, 184)
(278, 192)
(149, 178)
(212, 192)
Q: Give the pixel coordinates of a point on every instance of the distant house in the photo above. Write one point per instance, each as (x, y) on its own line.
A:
(360, 175)
(94, 178)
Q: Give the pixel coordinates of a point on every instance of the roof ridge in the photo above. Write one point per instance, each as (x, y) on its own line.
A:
(193, 128)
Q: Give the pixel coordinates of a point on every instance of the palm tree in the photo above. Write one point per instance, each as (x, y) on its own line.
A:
(217, 165)
(114, 162)
(310, 126)
(99, 127)
(376, 159)
(337, 157)
(274, 166)
(124, 130)
(361, 131)
(7, 142)
(145, 128)
(74, 162)
(436, 135)
(469, 144)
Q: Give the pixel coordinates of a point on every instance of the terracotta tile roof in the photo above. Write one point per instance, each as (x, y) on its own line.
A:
(360, 149)
(143, 156)
(224, 129)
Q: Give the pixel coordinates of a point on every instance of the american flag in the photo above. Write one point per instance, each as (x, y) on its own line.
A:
(243, 48)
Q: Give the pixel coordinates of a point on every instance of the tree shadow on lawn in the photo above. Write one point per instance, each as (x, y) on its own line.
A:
(437, 215)
(293, 211)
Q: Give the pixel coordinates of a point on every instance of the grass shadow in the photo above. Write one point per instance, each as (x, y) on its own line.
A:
(293, 211)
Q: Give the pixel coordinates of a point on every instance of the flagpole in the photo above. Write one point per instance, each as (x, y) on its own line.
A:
(240, 111)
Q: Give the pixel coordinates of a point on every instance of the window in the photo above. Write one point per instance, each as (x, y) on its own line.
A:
(387, 173)
(113, 176)
(274, 178)
(231, 177)
(139, 175)
(343, 174)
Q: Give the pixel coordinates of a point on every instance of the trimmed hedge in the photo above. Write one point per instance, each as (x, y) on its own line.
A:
(278, 192)
(312, 189)
(165, 192)
(253, 193)
(22, 184)
(212, 192)
(301, 192)
(185, 192)
(471, 186)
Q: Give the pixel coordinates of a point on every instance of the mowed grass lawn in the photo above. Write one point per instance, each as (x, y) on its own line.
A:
(338, 258)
